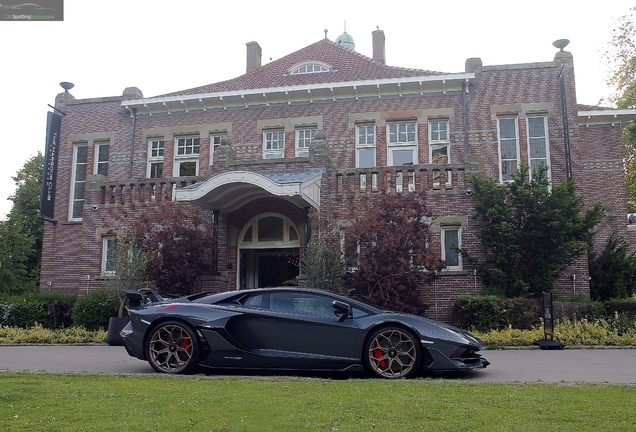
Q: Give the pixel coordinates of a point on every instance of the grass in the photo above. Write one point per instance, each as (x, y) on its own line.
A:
(82, 402)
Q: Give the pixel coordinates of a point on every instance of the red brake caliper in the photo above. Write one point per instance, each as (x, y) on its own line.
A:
(185, 344)
(377, 353)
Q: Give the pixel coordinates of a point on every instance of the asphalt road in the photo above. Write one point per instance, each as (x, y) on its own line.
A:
(613, 366)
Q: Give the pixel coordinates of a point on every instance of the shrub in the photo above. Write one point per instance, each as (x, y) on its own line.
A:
(51, 310)
(612, 271)
(93, 310)
(40, 335)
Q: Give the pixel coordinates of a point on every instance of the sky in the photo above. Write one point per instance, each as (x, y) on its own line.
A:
(164, 46)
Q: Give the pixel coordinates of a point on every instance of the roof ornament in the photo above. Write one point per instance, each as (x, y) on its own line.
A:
(326, 33)
(345, 40)
(561, 43)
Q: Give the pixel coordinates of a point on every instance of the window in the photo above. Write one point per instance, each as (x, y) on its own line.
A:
(187, 156)
(508, 148)
(365, 146)
(451, 239)
(274, 147)
(80, 158)
(109, 250)
(350, 251)
(402, 144)
(304, 137)
(439, 147)
(537, 143)
(155, 158)
(215, 141)
(101, 160)
(309, 68)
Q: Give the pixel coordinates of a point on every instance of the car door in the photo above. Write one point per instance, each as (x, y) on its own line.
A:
(303, 326)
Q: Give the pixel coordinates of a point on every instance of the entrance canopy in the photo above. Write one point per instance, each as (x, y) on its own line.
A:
(232, 190)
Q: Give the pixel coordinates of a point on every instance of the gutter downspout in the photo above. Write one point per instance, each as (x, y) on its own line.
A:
(132, 143)
(464, 91)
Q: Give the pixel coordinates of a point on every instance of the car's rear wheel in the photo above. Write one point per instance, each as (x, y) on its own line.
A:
(392, 352)
(173, 347)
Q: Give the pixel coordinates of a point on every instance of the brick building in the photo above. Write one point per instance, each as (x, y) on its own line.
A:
(314, 130)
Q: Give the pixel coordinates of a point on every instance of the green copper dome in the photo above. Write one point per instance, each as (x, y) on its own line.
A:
(346, 41)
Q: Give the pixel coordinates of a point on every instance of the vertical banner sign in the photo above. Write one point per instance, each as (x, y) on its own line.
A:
(548, 316)
(51, 154)
(566, 125)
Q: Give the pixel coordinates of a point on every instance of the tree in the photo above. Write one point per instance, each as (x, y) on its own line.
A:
(620, 55)
(531, 233)
(391, 233)
(612, 271)
(322, 265)
(129, 269)
(15, 249)
(21, 233)
(180, 243)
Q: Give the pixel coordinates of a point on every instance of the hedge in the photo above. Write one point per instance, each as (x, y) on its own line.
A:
(49, 310)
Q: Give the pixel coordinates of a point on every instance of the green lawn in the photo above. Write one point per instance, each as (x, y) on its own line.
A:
(82, 402)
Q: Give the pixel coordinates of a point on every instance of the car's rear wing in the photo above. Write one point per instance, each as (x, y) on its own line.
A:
(142, 296)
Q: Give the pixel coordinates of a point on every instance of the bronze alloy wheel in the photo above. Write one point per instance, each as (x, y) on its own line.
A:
(393, 353)
(173, 348)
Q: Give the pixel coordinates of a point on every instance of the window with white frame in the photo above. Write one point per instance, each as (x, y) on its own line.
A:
(538, 143)
(439, 146)
(309, 68)
(304, 137)
(215, 142)
(508, 147)
(155, 158)
(365, 146)
(402, 143)
(350, 251)
(80, 162)
(102, 151)
(109, 250)
(274, 144)
(186, 159)
(451, 241)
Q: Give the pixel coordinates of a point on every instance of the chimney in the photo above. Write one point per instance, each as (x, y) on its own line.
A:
(254, 53)
(379, 52)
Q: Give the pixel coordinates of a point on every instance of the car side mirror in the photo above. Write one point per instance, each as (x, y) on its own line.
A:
(343, 308)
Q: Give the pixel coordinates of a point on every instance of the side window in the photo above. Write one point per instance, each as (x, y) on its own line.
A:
(215, 142)
(80, 161)
(439, 146)
(304, 137)
(109, 248)
(538, 143)
(365, 146)
(273, 144)
(257, 301)
(187, 156)
(402, 143)
(451, 239)
(155, 158)
(302, 304)
(508, 148)
(101, 159)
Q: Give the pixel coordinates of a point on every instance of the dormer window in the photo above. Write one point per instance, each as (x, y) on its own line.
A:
(309, 68)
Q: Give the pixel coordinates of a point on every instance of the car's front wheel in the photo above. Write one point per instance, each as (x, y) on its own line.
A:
(392, 352)
(173, 347)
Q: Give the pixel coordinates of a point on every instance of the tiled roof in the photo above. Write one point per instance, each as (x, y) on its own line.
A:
(347, 65)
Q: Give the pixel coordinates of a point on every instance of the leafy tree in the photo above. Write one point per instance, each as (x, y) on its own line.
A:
(621, 58)
(21, 233)
(15, 249)
(129, 265)
(180, 245)
(620, 55)
(392, 235)
(322, 265)
(531, 234)
(629, 154)
(612, 271)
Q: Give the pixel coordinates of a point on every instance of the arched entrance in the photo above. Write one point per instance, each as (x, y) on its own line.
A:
(268, 252)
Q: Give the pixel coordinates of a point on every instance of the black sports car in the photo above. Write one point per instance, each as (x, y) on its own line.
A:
(294, 329)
